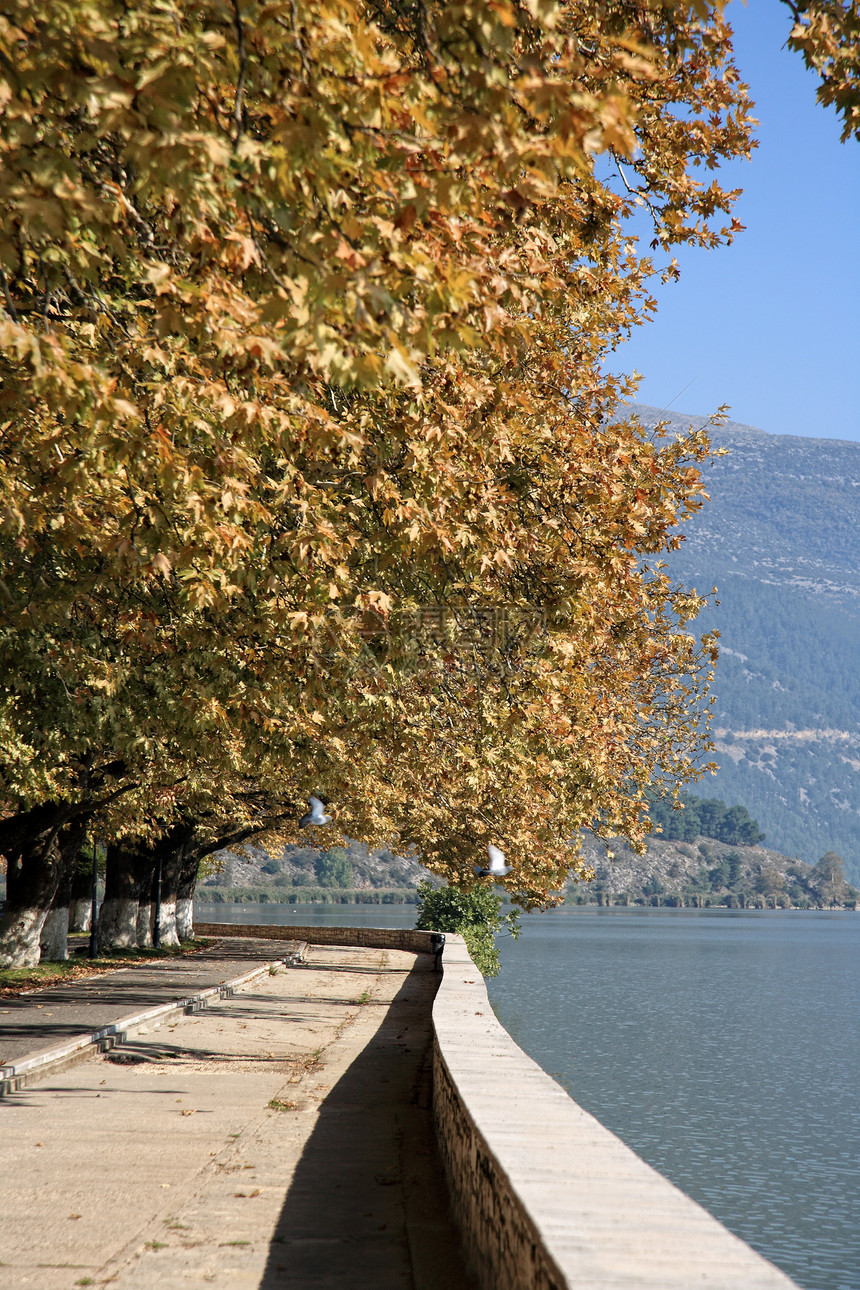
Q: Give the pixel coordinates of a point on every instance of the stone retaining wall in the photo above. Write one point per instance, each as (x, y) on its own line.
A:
(504, 1243)
(383, 938)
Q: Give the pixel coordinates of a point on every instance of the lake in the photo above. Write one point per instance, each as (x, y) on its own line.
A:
(722, 1045)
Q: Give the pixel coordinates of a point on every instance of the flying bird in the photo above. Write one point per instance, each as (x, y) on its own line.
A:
(316, 815)
(497, 867)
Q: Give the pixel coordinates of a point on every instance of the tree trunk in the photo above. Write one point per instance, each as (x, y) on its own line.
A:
(145, 921)
(54, 939)
(175, 861)
(185, 895)
(81, 913)
(185, 918)
(81, 903)
(55, 930)
(127, 871)
(168, 933)
(148, 906)
(18, 833)
(32, 876)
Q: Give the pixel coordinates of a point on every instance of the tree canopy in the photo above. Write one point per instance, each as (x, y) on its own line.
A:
(309, 468)
(827, 35)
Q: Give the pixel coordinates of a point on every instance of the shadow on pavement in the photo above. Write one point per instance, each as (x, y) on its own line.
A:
(40, 1019)
(368, 1205)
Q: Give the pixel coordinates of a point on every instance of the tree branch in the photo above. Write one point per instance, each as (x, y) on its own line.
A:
(238, 105)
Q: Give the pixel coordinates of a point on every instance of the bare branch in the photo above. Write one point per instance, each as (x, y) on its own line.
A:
(238, 105)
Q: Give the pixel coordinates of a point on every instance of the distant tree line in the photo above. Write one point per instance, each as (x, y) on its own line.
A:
(704, 815)
(732, 879)
(307, 896)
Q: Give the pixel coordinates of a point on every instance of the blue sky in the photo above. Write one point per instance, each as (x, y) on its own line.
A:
(770, 324)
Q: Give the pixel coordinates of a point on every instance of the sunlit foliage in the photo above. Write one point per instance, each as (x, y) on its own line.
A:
(308, 468)
(827, 34)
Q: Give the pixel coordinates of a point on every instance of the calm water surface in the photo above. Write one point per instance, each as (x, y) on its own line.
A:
(315, 915)
(722, 1046)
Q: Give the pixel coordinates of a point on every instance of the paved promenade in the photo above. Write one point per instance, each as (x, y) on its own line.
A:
(280, 1138)
(40, 1020)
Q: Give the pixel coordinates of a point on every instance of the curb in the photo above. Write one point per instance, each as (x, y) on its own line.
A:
(54, 1060)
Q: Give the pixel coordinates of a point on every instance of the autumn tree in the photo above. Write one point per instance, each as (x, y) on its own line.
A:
(150, 875)
(309, 469)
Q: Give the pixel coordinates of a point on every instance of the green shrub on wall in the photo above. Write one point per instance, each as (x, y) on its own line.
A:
(476, 915)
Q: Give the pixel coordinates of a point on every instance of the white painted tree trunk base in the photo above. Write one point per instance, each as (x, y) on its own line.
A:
(185, 918)
(117, 929)
(81, 915)
(54, 938)
(145, 919)
(20, 934)
(167, 932)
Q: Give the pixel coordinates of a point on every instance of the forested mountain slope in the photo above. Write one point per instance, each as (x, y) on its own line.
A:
(779, 540)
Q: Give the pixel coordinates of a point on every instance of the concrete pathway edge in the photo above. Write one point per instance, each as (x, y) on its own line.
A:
(31, 1069)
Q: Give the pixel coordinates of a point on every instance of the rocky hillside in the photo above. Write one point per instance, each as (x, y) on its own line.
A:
(701, 872)
(297, 874)
(779, 541)
(706, 872)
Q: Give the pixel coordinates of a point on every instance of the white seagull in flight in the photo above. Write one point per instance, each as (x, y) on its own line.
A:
(497, 867)
(316, 814)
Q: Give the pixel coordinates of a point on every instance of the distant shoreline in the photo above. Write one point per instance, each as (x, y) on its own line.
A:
(630, 907)
(306, 896)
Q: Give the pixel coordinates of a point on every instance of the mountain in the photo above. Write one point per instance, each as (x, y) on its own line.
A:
(779, 541)
(351, 874)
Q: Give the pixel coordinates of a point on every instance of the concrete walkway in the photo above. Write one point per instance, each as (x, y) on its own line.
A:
(281, 1138)
(41, 1019)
